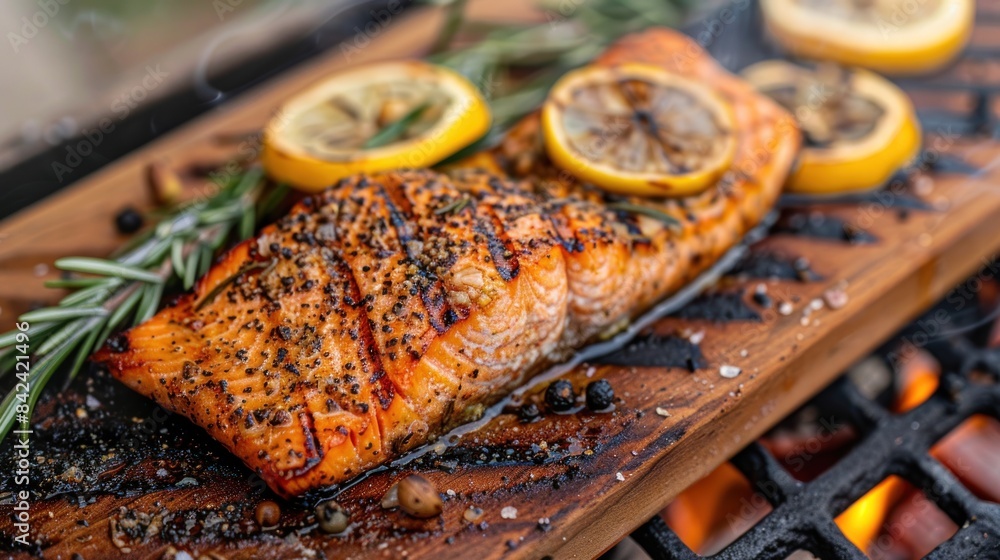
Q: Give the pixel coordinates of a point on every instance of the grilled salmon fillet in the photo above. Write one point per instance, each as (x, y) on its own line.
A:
(393, 307)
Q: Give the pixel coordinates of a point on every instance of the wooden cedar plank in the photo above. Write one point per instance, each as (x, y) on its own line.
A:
(913, 262)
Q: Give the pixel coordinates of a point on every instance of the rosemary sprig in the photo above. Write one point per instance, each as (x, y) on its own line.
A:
(210, 296)
(648, 211)
(454, 207)
(452, 22)
(110, 294)
(396, 128)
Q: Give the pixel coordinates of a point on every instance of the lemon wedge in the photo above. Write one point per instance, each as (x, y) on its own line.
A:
(638, 129)
(401, 114)
(897, 37)
(859, 128)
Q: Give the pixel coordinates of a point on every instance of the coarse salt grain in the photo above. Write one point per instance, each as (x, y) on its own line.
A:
(835, 298)
(729, 372)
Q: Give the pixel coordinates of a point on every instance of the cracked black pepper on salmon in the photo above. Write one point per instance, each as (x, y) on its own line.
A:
(392, 307)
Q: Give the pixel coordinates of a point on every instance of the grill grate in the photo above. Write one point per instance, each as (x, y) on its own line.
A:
(962, 100)
(803, 515)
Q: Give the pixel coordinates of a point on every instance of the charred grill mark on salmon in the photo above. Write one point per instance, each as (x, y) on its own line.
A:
(411, 235)
(313, 453)
(380, 320)
(369, 357)
(501, 252)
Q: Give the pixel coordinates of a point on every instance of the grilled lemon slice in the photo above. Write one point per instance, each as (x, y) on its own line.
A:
(373, 118)
(888, 36)
(638, 129)
(859, 128)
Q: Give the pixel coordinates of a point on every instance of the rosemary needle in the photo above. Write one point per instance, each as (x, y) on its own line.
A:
(647, 211)
(211, 295)
(454, 207)
(395, 129)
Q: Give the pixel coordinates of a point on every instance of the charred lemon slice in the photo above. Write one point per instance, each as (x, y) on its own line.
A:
(888, 36)
(639, 130)
(373, 118)
(859, 128)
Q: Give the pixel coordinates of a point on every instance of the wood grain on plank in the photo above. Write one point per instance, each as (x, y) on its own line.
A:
(561, 468)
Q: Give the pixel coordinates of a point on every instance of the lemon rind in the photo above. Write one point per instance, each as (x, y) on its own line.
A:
(905, 49)
(613, 179)
(462, 123)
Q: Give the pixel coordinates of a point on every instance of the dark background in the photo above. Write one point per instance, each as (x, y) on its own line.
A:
(33, 179)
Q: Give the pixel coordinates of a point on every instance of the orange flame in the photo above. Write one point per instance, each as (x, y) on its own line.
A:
(862, 522)
(714, 511)
(918, 379)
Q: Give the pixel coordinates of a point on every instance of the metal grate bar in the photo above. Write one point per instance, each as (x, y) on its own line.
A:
(890, 445)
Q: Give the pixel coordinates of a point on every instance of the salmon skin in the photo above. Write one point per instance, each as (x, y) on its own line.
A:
(392, 307)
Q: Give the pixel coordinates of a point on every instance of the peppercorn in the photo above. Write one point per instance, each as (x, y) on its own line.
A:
(559, 395)
(332, 518)
(762, 299)
(418, 497)
(600, 395)
(528, 413)
(128, 220)
(267, 514)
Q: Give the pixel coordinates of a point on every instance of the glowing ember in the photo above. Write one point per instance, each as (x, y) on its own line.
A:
(716, 510)
(917, 379)
(895, 521)
(972, 452)
(862, 522)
